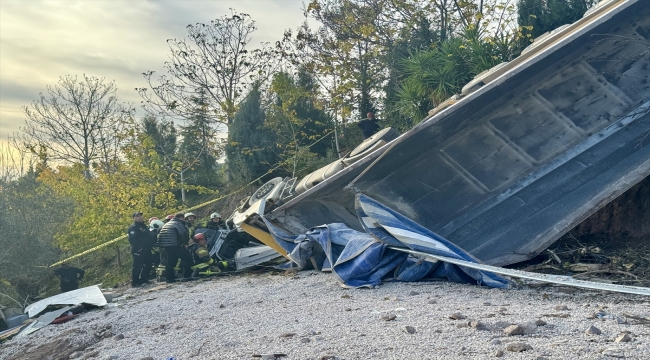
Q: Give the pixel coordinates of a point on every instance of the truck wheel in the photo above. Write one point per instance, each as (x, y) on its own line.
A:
(265, 190)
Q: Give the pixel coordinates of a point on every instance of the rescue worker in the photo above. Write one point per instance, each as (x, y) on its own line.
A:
(141, 245)
(189, 221)
(368, 125)
(70, 277)
(174, 238)
(201, 257)
(216, 223)
(167, 218)
(156, 253)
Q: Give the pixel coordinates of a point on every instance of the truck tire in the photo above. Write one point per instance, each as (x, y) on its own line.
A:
(265, 190)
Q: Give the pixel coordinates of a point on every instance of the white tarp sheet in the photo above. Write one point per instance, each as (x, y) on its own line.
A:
(90, 295)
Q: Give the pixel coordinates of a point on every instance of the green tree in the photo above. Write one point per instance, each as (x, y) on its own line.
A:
(250, 146)
(31, 216)
(201, 143)
(297, 120)
(537, 17)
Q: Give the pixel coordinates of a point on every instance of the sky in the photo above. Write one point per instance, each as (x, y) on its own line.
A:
(112, 39)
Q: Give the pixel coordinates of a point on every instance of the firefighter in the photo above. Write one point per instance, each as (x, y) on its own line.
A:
(203, 263)
(174, 238)
(156, 253)
(190, 217)
(216, 223)
(201, 256)
(70, 277)
(141, 245)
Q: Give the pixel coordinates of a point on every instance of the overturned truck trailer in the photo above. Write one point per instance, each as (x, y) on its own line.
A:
(526, 152)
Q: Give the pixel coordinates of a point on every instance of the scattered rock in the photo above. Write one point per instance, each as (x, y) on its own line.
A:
(221, 306)
(502, 324)
(498, 353)
(513, 330)
(613, 352)
(478, 325)
(410, 329)
(305, 340)
(389, 317)
(463, 324)
(76, 354)
(457, 316)
(540, 322)
(502, 309)
(91, 355)
(518, 347)
(529, 328)
(288, 335)
(106, 313)
(592, 330)
(138, 342)
(561, 308)
(119, 337)
(486, 304)
(147, 358)
(346, 296)
(327, 357)
(413, 293)
(348, 309)
(557, 315)
(623, 338)
(495, 342)
(432, 302)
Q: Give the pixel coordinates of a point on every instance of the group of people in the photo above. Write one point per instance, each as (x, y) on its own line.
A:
(166, 242)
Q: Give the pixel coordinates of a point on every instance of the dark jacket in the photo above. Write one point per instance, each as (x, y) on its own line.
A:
(173, 233)
(139, 237)
(70, 275)
(154, 235)
(220, 225)
(368, 127)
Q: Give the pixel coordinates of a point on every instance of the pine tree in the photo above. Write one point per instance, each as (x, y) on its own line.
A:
(250, 145)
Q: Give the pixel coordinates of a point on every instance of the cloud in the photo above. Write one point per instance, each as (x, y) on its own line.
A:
(115, 39)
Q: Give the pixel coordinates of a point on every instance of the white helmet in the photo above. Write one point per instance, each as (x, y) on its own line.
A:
(214, 215)
(189, 214)
(156, 224)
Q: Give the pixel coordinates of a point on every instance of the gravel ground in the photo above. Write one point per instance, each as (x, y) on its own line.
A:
(308, 316)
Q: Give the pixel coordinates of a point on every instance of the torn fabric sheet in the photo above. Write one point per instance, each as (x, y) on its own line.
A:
(397, 230)
(364, 259)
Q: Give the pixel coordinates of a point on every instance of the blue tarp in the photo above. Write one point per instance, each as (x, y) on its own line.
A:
(365, 259)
